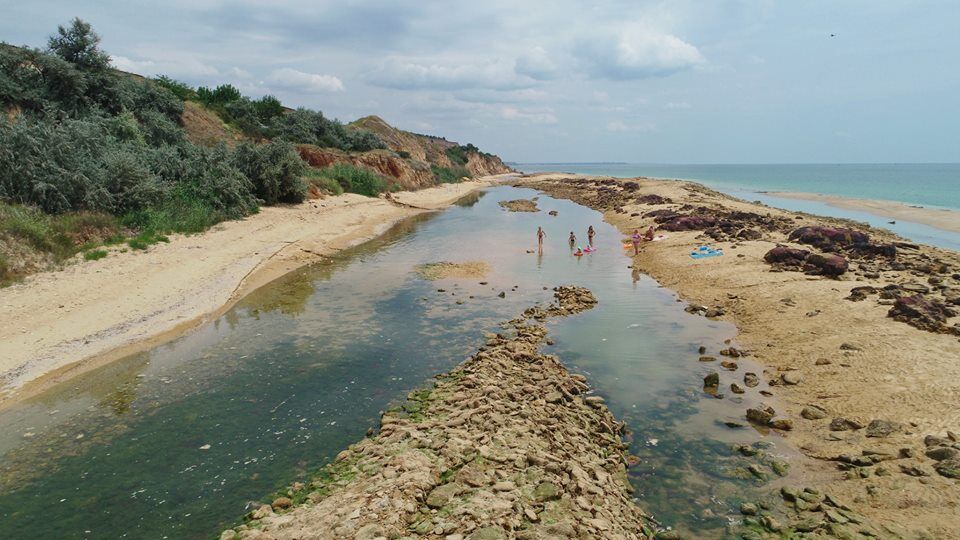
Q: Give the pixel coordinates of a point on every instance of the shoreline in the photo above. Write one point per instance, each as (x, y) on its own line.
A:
(943, 219)
(89, 314)
(836, 363)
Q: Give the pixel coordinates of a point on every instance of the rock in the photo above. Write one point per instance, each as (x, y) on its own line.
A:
(844, 424)
(748, 509)
(783, 424)
(914, 470)
(502, 294)
(941, 453)
(813, 412)
(729, 364)
(849, 347)
(228, 534)
(689, 223)
(883, 428)
(762, 414)
(712, 380)
(594, 401)
(488, 533)
(790, 493)
(780, 467)
(933, 440)
(786, 256)
(281, 503)
(545, 491)
(708, 359)
(552, 212)
(822, 362)
(751, 379)
(791, 377)
(949, 468)
(829, 238)
(263, 511)
(825, 265)
(736, 388)
(443, 494)
(923, 313)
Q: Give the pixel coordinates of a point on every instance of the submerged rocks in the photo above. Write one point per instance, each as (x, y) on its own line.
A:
(506, 442)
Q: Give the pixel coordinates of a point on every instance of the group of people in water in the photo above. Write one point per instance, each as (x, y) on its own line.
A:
(635, 239)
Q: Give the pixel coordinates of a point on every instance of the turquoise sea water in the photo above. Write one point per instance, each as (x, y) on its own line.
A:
(935, 185)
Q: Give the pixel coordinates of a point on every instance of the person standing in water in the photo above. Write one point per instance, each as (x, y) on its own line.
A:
(636, 241)
(540, 235)
(590, 233)
(573, 240)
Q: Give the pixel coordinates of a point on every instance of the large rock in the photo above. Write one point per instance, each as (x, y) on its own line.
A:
(923, 313)
(787, 256)
(827, 265)
(689, 223)
(829, 238)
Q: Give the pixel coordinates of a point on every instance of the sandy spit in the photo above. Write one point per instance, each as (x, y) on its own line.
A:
(940, 218)
(56, 325)
(846, 357)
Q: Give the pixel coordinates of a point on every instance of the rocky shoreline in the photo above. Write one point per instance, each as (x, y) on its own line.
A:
(871, 400)
(507, 445)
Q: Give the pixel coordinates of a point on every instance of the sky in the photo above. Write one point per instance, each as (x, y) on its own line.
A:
(721, 81)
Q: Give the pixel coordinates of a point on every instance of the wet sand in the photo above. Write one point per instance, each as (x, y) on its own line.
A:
(940, 218)
(60, 324)
(847, 358)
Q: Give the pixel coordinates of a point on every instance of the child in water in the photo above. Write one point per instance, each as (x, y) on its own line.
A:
(578, 252)
(573, 240)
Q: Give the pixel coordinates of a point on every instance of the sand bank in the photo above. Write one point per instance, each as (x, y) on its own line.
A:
(940, 218)
(855, 382)
(59, 324)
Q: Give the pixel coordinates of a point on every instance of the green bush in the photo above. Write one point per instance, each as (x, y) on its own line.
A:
(449, 175)
(63, 235)
(275, 169)
(404, 154)
(182, 90)
(356, 179)
(318, 178)
(304, 126)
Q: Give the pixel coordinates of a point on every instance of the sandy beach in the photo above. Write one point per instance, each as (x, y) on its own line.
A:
(59, 324)
(940, 218)
(830, 357)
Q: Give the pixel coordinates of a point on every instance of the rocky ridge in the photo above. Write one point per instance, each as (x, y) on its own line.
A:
(507, 445)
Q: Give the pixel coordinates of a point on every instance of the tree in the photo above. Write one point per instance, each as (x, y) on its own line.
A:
(79, 45)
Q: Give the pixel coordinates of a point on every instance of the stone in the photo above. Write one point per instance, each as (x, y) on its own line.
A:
(783, 424)
(761, 415)
(442, 495)
(228, 534)
(791, 377)
(488, 533)
(883, 428)
(729, 364)
(594, 401)
(748, 509)
(949, 468)
(790, 493)
(712, 380)
(813, 412)
(941, 453)
(922, 312)
(844, 424)
(736, 388)
(751, 379)
(822, 362)
(545, 491)
(708, 359)
(281, 503)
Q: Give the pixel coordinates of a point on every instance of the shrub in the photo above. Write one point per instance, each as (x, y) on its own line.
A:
(317, 177)
(95, 254)
(183, 91)
(404, 154)
(356, 180)
(305, 126)
(79, 45)
(218, 97)
(275, 169)
(449, 175)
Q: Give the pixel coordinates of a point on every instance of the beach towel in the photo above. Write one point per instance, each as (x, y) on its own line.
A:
(703, 252)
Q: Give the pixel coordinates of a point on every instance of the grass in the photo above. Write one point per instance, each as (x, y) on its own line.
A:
(450, 175)
(316, 177)
(95, 254)
(146, 239)
(350, 178)
(60, 235)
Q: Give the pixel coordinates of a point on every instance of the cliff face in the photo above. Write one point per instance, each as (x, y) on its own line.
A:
(406, 173)
(431, 150)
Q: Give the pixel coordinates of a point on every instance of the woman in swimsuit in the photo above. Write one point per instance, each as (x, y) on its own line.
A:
(649, 234)
(540, 235)
(573, 240)
(636, 241)
(590, 233)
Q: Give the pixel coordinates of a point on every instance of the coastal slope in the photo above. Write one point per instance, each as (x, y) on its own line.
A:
(869, 377)
(101, 310)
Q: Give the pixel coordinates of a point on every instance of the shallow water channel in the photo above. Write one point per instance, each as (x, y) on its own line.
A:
(173, 442)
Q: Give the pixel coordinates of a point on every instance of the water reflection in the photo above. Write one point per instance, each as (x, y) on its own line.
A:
(176, 440)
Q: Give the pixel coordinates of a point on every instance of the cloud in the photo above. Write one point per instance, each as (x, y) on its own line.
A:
(482, 95)
(536, 64)
(171, 63)
(637, 52)
(410, 75)
(292, 79)
(677, 105)
(544, 116)
(620, 125)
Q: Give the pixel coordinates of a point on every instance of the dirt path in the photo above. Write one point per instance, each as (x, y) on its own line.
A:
(59, 324)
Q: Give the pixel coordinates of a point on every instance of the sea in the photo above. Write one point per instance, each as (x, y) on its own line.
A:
(928, 185)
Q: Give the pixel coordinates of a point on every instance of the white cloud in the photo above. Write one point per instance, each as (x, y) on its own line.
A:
(173, 64)
(411, 75)
(677, 105)
(536, 64)
(619, 125)
(501, 96)
(544, 116)
(637, 52)
(292, 79)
